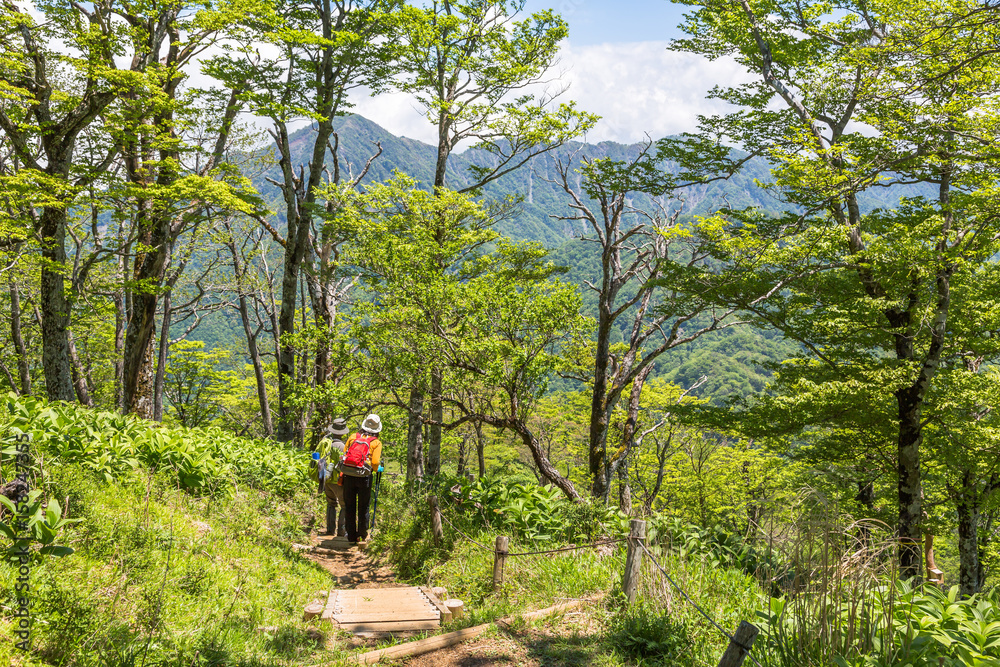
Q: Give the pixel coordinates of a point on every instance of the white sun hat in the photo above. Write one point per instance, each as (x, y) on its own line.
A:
(372, 424)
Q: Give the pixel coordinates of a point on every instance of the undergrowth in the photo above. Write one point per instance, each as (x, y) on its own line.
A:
(160, 577)
(662, 630)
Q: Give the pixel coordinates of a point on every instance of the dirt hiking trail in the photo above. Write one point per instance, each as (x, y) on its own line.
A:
(562, 641)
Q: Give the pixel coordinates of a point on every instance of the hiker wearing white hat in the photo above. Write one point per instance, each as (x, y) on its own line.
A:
(362, 455)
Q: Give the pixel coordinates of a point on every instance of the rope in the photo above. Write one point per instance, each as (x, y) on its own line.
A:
(700, 610)
(529, 553)
(463, 534)
(594, 545)
(606, 542)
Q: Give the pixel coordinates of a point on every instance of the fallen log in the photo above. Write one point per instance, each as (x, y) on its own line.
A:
(422, 646)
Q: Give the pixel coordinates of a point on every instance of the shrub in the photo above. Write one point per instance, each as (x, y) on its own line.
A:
(532, 512)
(648, 635)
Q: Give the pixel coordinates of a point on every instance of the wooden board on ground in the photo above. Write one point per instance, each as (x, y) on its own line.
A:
(383, 610)
(438, 603)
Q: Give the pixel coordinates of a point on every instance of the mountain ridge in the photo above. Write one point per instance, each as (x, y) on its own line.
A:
(543, 201)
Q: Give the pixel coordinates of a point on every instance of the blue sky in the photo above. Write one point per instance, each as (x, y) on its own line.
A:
(615, 64)
(595, 22)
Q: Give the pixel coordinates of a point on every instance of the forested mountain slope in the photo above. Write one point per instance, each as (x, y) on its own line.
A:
(731, 359)
(543, 197)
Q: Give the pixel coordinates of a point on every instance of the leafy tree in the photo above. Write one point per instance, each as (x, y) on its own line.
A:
(194, 379)
(468, 64)
(414, 249)
(497, 359)
(510, 337)
(253, 284)
(58, 75)
(321, 52)
(641, 252)
(846, 101)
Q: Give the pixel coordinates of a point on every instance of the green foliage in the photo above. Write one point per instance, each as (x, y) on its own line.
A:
(662, 619)
(109, 445)
(895, 624)
(403, 539)
(469, 65)
(195, 381)
(42, 523)
(162, 577)
(722, 548)
(649, 635)
(533, 513)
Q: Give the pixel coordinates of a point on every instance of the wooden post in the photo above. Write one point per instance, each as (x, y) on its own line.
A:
(456, 607)
(499, 557)
(633, 559)
(436, 528)
(736, 653)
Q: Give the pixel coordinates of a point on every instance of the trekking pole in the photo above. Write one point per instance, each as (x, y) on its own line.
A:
(378, 484)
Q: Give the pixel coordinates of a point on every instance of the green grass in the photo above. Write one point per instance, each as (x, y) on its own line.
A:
(148, 585)
(663, 630)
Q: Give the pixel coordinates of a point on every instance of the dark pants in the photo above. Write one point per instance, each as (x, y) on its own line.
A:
(357, 495)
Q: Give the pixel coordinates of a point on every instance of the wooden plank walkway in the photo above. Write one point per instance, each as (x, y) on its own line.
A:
(385, 609)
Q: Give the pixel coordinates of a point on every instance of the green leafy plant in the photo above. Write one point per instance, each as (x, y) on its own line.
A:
(41, 522)
(109, 445)
(532, 512)
(649, 635)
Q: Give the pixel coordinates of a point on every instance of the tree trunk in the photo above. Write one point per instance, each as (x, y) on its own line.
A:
(294, 252)
(909, 486)
(55, 308)
(597, 455)
(161, 359)
(460, 466)
(304, 415)
(480, 450)
(624, 490)
(415, 437)
(150, 267)
(437, 415)
(967, 508)
(80, 379)
(258, 367)
(545, 467)
(23, 369)
(121, 317)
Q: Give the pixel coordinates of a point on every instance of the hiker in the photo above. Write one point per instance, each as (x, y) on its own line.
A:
(362, 455)
(331, 449)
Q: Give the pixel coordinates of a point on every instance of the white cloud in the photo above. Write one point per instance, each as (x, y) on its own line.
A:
(397, 112)
(637, 88)
(641, 87)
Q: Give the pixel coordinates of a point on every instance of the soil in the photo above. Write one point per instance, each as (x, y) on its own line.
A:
(348, 564)
(565, 640)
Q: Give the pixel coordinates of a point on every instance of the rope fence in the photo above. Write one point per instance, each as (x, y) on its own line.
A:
(732, 639)
(592, 545)
(740, 643)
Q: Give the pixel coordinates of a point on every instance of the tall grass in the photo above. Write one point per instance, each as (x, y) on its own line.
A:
(839, 592)
(161, 577)
(842, 603)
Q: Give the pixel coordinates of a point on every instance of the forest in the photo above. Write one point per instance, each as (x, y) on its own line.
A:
(774, 337)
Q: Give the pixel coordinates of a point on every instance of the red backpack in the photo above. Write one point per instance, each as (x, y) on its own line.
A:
(355, 461)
